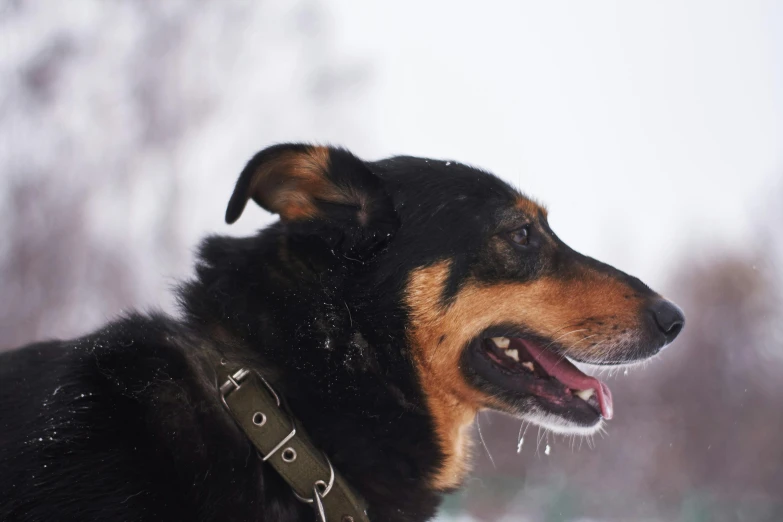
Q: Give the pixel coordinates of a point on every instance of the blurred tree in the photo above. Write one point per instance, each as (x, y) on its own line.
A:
(113, 120)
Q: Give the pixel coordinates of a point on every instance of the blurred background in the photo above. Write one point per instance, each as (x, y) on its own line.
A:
(653, 131)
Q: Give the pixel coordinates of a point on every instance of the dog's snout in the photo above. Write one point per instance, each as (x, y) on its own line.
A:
(668, 318)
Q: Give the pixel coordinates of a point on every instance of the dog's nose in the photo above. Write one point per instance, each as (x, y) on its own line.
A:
(668, 318)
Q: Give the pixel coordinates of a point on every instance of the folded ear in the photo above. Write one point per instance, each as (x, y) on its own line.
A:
(325, 187)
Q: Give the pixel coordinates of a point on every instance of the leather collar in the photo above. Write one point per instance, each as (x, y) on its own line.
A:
(282, 443)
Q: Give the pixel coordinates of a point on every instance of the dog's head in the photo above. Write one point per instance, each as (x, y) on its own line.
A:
(495, 304)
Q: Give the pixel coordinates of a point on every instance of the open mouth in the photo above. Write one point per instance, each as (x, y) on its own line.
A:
(524, 368)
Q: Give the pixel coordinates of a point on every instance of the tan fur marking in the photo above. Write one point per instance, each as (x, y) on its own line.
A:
(529, 207)
(549, 307)
(451, 401)
(291, 182)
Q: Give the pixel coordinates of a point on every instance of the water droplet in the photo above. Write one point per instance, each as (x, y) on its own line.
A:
(625, 372)
(547, 450)
(519, 444)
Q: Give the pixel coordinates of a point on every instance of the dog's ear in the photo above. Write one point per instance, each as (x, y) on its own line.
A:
(322, 190)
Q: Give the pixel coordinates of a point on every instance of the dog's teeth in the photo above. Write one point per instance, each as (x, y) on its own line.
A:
(514, 354)
(585, 394)
(529, 366)
(501, 342)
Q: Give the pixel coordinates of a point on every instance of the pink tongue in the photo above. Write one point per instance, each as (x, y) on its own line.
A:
(561, 369)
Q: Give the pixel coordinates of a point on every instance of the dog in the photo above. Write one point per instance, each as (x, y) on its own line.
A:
(391, 302)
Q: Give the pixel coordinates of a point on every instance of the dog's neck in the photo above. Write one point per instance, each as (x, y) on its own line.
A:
(344, 375)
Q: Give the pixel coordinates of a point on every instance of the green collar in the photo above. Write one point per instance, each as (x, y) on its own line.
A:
(282, 443)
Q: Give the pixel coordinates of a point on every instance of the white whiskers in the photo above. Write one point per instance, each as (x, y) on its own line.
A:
(478, 425)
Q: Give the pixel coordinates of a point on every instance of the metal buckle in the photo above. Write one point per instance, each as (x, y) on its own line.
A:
(233, 383)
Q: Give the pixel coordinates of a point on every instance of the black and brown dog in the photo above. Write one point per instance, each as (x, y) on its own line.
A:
(392, 301)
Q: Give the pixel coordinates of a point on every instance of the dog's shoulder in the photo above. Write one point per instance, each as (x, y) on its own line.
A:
(119, 404)
(123, 357)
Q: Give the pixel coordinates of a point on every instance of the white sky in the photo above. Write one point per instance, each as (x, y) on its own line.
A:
(646, 127)
(652, 130)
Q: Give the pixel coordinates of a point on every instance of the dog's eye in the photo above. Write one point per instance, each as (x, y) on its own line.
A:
(521, 236)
